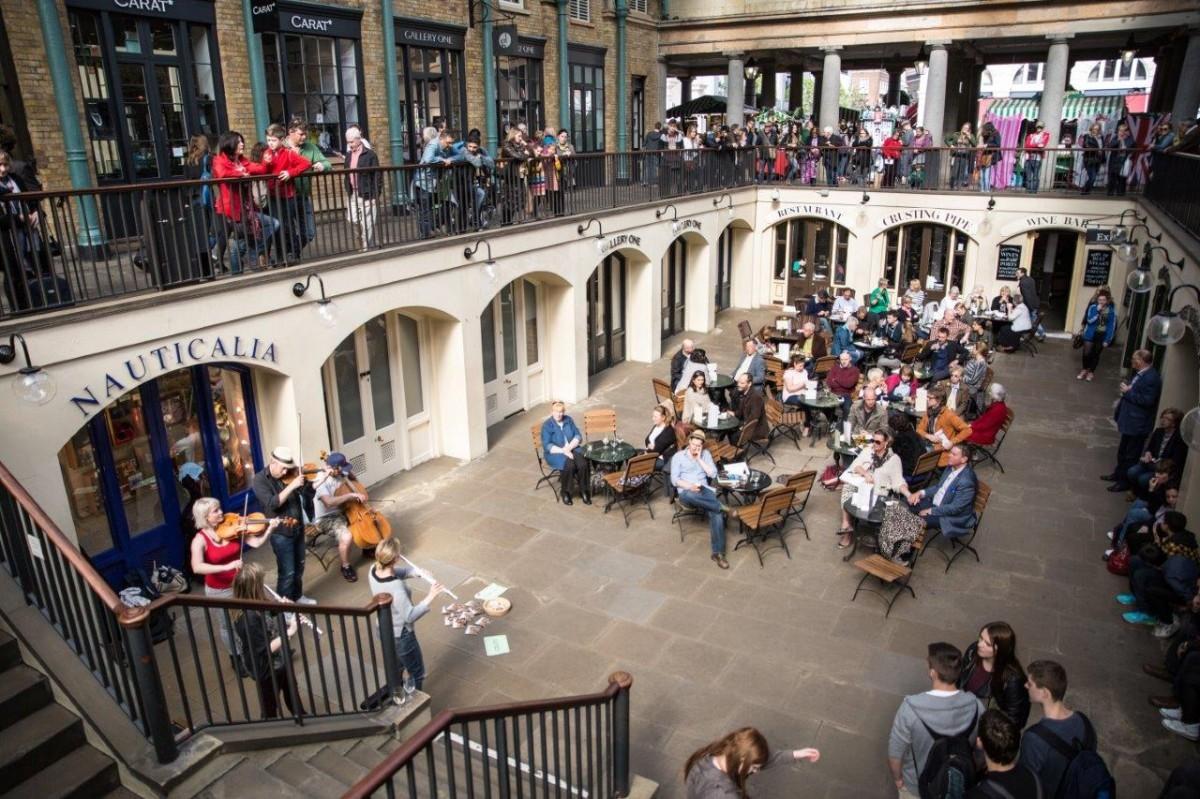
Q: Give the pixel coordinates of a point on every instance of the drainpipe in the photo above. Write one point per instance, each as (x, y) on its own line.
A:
(258, 83)
(88, 235)
(392, 84)
(621, 9)
(564, 70)
(664, 7)
(489, 80)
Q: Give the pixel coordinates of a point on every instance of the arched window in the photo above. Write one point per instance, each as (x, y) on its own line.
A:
(810, 254)
(936, 255)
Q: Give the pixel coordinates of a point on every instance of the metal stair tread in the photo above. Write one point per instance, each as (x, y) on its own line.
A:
(337, 766)
(247, 779)
(82, 772)
(308, 780)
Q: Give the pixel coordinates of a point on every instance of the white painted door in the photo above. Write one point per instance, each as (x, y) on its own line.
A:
(503, 353)
(358, 386)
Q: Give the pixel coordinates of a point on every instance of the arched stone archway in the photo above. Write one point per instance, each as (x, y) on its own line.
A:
(685, 285)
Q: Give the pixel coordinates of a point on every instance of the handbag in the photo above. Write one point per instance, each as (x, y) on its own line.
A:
(898, 531)
(1127, 167)
(831, 472)
(1118, 561)
(1077, 341)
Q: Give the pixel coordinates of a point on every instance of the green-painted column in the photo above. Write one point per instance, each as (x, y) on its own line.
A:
(664, 7)
(564, 70)
(258, 81)
(489, 81)
(392, 84)
(621, 9)
(89, 234)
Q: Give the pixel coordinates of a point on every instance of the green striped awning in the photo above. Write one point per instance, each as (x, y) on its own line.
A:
(1076, 105)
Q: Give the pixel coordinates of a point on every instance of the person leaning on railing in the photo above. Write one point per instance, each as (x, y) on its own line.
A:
(299, 141)
(1036, 143)
(285, 164)
(962, 156)
(241, 221)
(1092, 145)
(17, 218)
(260, 645)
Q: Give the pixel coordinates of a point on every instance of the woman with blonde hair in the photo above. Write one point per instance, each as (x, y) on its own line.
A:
(261, 645)
(388, 578)
(721, 769)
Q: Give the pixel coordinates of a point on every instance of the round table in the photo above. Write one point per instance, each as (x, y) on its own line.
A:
(746, 490)
(718, 387)
(724, 424)
(921, 375)
(866, 525)
(909, 408)
(870, 350)
(824, 403)
(607, 458)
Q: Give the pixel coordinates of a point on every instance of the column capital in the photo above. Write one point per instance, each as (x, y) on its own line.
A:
(830, 48)
(1059, 38)
(937, 44)
(736, 56)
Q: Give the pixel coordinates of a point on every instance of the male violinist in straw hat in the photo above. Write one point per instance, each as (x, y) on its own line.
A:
(280, 491)
(330, 517)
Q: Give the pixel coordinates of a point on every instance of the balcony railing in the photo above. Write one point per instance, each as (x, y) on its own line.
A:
(198, 670)
(70, 248)
(1174, 186)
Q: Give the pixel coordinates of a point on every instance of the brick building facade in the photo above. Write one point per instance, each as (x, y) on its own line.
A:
(535, 19)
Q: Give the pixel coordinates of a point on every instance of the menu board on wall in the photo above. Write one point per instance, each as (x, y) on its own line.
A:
(1008, 261)
(1096, 269)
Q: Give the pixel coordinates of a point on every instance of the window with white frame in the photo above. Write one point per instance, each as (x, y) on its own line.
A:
(1030, 73)
(641, 6)
(1117, 70)
(580, 10)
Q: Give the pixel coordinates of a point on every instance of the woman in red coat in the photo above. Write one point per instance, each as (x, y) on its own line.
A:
(238, 217)
(891, 157)
(985, 427)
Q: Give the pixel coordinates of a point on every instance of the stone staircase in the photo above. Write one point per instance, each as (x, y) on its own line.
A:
(43, 751)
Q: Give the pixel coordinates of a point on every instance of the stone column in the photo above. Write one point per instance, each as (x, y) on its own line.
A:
(1055, 87)
(816, 98)
(934, 100)
(661, 92)
(767, 98)
(893, 93)
(1187, 91)
(796, 89)
(831, 84)
(685, 90)
(736, 83)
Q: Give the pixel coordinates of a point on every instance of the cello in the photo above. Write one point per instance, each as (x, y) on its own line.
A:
(367, 526)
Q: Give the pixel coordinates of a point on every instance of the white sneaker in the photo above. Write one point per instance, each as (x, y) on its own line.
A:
(1166, 630)
(1109, 535)
(1108, 553)
(1175, 713)
(306, 600)
(1189, 731)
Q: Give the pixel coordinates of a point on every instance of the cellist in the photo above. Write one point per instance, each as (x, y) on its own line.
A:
(330, 516)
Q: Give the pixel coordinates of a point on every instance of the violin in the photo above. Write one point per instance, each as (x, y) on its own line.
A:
(367, 525)
(310, 471)
(235, 525)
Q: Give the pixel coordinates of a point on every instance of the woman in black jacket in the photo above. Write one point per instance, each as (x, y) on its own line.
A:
(260, 645)
(661, 438)
(992, 672)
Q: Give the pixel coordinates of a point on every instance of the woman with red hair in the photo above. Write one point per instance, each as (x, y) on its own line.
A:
(721, 768)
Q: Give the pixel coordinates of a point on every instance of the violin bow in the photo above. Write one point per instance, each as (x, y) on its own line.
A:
(245, 512)
(427, 577)
(305, 619)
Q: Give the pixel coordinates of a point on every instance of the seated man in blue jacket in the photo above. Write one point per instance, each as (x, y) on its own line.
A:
(950, 505)
(560, 448)
(940, 354)
(843, 340)
(1162, 581)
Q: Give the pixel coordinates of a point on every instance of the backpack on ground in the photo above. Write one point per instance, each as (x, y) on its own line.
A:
(949, 771)
(1086, 775)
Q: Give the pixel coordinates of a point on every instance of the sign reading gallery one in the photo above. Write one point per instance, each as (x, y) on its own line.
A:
(937, 216)
(616, 242)
(167, 358)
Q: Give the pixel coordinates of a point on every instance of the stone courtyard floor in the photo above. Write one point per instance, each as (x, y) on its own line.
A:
(781, 647)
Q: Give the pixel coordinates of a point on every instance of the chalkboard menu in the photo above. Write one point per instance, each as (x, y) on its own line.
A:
(1008, 262)
(1095, 271)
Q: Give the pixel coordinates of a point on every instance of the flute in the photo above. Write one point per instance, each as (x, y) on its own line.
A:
(427, 577)
(305, 620)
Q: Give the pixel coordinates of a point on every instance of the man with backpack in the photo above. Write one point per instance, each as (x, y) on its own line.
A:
(1061, 748)
(930, 750)
(1000, 740)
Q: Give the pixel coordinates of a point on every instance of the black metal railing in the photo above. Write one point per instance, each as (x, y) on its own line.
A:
(1174, 186)
(572, 746)
(62, 249)
(183, 663)
(331, 665)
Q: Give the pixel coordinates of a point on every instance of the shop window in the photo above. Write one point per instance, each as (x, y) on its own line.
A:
(587, 107)
(432, 89)
(531, 327)
(234, 433)
(519, 95)
(811, 255)
(935, 255)
(85, 492)
(315, 78)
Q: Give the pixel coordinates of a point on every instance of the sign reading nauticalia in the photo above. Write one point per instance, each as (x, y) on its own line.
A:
(809, 210)
(936, 215)
(172, 356)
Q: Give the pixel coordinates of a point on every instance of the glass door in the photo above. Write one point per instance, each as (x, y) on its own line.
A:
(502, 359)
(809, 247)
(606, 314)
(674, 288)
(724, 269)
(358, 382)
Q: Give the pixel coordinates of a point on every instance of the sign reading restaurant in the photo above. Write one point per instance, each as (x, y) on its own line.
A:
(809, 210)
(172, 356)
(937, 216)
